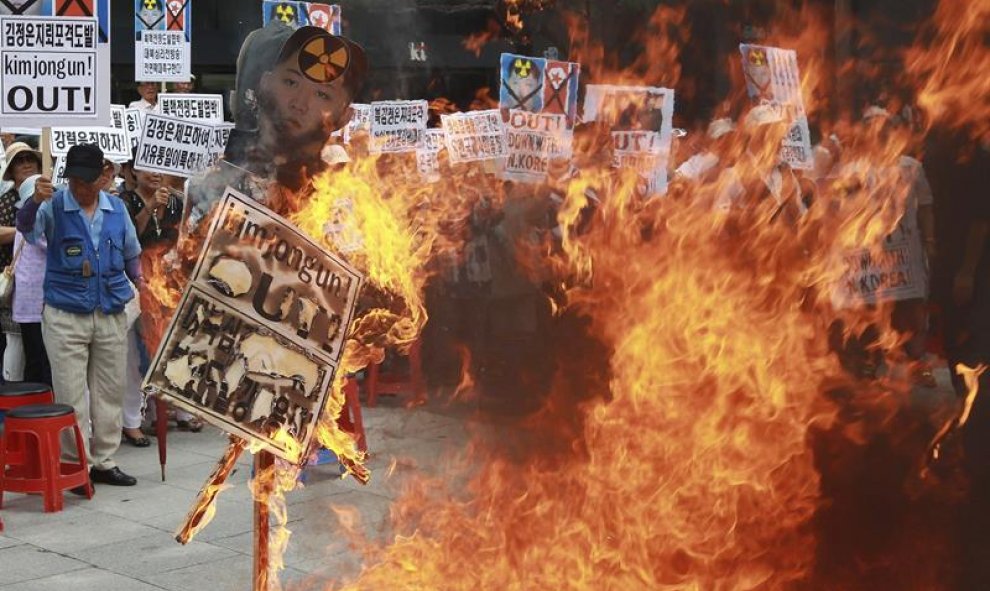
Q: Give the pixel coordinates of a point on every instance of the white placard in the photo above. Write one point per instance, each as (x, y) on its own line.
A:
(428, 159)
(114, 141)
(163, 45)
(58, 172)
(896, 271)
(474, 136)
(641, 119)
(133, 123)
(360, 121)
(54, 72)
(398, 126)
(534, 139)
(173, 146)
(194, 107)
(772, 77)
(218, 141)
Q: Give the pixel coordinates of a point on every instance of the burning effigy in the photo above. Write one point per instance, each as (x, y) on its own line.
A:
(724, 397)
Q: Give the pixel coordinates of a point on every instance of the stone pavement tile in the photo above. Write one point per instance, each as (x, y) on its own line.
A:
(8, 542)
(228, 574)
(143, 463)
(80, 530)
(27, 562)
(90, 579)
(21, 511)
(142, 501)
(192, 477)
(321, 572)
(150, 555)
(231, 518)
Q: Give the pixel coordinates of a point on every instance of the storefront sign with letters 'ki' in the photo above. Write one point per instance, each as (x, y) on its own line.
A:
(260, 330)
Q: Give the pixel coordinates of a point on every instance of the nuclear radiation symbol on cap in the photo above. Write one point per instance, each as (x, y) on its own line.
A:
(757, 57)
(323, 59)
(522, 68)
(285, 13)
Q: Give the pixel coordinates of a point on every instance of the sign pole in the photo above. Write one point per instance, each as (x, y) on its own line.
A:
(264, 463)
(46, 151)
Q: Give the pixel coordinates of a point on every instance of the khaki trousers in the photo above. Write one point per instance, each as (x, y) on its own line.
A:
(88, 350)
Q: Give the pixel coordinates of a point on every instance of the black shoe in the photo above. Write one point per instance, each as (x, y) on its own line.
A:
(113, 477)
(80, 490)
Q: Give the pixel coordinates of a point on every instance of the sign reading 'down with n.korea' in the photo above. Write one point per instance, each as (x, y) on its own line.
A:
(173, 146)
(474, 136)
(50, 72)
(195, 107)
(534, 140)
(259, 333)
(893, 272)
(398, 126)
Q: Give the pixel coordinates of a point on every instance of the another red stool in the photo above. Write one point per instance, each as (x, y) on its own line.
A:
(44, 423)
(13, 395)
(350, 419)
(412, 383)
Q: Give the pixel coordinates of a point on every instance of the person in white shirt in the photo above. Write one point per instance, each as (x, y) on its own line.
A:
(149, 97)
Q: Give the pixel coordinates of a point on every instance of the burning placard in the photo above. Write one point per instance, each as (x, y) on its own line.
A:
(398, 126)
(641, 119)
(772, 77)
(891, 273)
(194, 107)
(473, 136)
(163, 48)
(522, 80)
(114, 141)
(173, 146)
(301, 14)
(218, 143)
(260, 330)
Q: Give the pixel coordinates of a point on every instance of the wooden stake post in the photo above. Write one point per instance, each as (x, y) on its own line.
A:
(263, 464)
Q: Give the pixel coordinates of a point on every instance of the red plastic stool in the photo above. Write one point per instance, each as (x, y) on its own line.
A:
(350, 419)
(13, 395)
(44, 423)
(379, 383)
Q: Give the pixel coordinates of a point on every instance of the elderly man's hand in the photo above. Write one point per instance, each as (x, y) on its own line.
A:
(43, 189)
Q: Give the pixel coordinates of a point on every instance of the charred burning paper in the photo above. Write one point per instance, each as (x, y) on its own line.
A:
(772, 76)
(258, 336)
(641, 119)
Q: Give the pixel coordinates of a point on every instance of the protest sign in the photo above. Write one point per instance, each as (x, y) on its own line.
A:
(428, 158)
(173, 146)
(134, 122)
(301, 14)
(58, 172)
(218, 142)
(54, 72)
(114, 141)
(896, 271)
(522, 79)
(473, 136)
(163, 40)
(258, 335)
(360, 121)
(560, 89)
(194, 107)
(772, 77)
(533, 140)
(398, 126)
(641, 120)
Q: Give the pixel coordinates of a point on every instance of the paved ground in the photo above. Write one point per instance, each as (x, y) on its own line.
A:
(122, 540)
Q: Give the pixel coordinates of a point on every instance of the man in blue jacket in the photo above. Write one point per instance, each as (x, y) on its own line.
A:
(92, 250)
